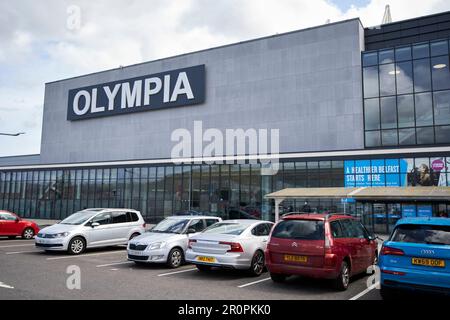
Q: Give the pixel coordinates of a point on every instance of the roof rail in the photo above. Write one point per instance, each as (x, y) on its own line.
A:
(328, 216)
(294, 213)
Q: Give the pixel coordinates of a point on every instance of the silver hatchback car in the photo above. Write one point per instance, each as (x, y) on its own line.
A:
(91, 228)
(168, 240)
(232, 244)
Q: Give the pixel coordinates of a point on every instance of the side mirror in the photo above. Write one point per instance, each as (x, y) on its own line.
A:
(191, 230)
(95, 224)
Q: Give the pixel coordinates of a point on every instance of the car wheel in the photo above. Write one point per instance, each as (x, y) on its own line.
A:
(175, 258)
(134, 235)
(257, 266)
(77, 245)
(28, 233)
(276, 277)
(387, 293)
(343, 280)
(203, 267)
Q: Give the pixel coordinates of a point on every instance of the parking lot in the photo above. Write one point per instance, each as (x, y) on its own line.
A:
(29, 273)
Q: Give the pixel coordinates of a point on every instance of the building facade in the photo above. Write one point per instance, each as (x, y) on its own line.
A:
(353, 107)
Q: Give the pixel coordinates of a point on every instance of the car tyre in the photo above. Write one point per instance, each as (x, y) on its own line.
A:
(276, 277)
(77, 245)
(175, 258)
(28, 233)
(257, 265)
(203, 267)
(342, 281)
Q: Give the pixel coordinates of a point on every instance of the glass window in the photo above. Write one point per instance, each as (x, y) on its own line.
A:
(405, 107)
(443, 134)
(387, 79)
(402, 54)
(413, 233)
(404, 77)
(389, 137)
(197, 225)
(370, 75)
(210, 222)
(440, 73)
(370, 59)
(407, 136)
(299, 230)
(422, 75)
(347, 229)
(425, 135)
(102, 218)
(119, 217)
(336, 230)
(386, 56)
(388, 113)
(373, 139)
(421, 50)
(424, 109)
(442, 107)
(439, 48)
(371, 114)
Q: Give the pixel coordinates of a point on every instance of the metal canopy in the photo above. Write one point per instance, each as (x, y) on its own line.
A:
(363, 193)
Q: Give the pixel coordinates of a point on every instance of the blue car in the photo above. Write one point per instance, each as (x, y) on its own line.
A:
(416, 257)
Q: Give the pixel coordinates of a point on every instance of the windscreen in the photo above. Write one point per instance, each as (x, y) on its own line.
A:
(170, 226)
(79, 217)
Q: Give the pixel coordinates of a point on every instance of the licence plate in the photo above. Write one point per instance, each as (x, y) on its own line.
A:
(291, 258)
(428, 262)
(206, 259)
(42, 241)
(136, 253)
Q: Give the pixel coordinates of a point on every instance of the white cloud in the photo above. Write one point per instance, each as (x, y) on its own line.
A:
(37, 46)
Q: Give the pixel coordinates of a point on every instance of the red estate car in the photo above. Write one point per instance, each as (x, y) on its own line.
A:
(12, 225)
(329, 246)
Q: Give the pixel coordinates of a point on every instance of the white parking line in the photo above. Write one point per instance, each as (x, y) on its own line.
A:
(175, 272)
(18, 245)
(3, 285)
(18, 252)
(251, 283)
(362, 293)
(114, 264)
(86, 255)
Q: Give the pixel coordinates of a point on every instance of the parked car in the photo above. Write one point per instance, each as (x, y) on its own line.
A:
(416, 257)
(329, 246)
(12, 225)
(231, 244)
(92, 228)
(188, 213)
(168, 240)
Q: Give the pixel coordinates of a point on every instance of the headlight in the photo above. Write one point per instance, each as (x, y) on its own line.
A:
(156, 245)
(61, 235)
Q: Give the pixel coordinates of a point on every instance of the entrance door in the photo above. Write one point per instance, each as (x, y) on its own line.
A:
(380, 218)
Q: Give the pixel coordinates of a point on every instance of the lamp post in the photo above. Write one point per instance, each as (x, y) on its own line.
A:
(12, 134)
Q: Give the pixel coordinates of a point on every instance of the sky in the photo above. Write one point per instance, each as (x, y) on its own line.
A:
(48, 40)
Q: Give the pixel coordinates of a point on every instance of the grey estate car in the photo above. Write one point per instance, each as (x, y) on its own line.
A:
(91, 228)
(168, 240)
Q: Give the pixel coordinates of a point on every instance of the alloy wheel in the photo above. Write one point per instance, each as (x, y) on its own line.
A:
(77, 246)
(345, 276)
(28, 233)
(176, 258)
(258, 263)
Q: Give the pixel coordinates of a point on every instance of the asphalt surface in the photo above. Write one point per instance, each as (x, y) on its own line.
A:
(29, 273)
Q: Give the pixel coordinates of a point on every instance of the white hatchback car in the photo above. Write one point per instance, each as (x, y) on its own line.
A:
(168, 240)
(91, 228)
(231, 244)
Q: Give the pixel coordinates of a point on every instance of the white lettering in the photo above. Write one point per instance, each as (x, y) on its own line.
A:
(148, 91)
(166, 88)
(131, 98)
(182, 86)
(111, 95)
(94, 107)
(87, 103)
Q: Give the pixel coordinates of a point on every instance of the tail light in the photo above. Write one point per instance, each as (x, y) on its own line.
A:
(389, 251)
(190, 243)
(395, 273)
(234, 246)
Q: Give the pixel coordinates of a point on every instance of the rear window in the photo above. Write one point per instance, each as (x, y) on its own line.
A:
(226, 228)
(299, 230)
(428, 234)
